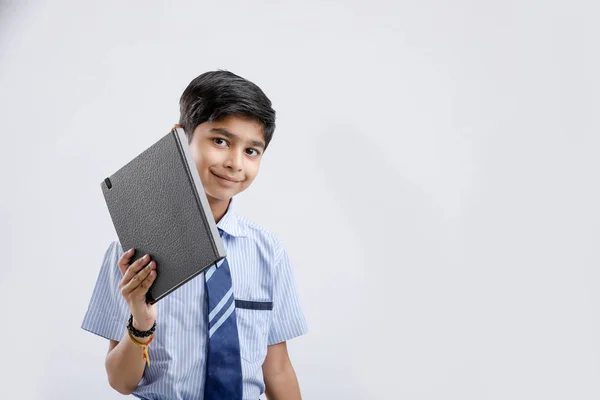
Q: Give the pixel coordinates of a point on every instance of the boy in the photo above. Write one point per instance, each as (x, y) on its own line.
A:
(223, 334)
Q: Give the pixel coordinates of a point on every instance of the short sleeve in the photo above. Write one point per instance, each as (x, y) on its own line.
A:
(107, 312)
(288, 320)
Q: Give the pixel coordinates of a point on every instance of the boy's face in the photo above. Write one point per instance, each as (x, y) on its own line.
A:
(227, 153)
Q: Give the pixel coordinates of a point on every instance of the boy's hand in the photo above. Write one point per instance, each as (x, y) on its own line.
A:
(134, 285)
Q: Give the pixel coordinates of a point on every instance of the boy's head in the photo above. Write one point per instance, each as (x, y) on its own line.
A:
(229, 123)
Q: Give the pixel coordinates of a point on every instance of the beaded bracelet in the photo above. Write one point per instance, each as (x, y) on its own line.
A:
(137, 333)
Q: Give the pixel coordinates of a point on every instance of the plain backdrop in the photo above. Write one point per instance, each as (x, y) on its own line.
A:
(433, 176)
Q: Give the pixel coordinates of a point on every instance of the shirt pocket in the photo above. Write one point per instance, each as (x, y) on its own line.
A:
(253, 329)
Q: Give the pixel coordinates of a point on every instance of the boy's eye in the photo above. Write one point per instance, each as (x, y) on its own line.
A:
(223, 143)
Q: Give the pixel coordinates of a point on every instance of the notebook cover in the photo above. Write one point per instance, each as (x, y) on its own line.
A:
(158, 206)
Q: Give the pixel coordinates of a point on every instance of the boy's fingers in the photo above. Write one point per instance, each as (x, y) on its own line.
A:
(124, 260)
(137, 279)
(135, 268)
(142, 289)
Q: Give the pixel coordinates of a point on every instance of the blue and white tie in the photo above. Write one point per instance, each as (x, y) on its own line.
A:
(223, 363)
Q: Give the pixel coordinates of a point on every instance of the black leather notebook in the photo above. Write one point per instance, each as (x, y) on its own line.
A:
(158, 206)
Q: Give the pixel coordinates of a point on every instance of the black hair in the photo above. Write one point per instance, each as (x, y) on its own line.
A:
(216, 94)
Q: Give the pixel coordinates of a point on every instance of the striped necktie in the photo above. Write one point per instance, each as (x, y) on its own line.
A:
(223, 363)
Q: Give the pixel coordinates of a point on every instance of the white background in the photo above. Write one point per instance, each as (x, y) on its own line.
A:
(433, 175)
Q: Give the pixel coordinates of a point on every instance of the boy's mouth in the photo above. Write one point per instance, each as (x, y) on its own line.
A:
(225, 180)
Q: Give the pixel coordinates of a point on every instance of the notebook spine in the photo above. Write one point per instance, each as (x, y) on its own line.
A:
(185, 162)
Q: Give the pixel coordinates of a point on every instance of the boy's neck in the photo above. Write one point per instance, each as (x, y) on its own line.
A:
(218, 207)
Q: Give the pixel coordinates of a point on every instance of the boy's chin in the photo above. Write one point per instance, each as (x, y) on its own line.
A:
(220, 195)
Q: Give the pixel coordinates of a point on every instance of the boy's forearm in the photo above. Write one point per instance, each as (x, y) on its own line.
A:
(125, 366)
(283, 385)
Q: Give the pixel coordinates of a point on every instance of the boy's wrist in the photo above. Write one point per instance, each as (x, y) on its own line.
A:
(141, 330)
(142, 340)
(141, 326)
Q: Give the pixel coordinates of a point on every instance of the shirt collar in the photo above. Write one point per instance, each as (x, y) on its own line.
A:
(230, 222)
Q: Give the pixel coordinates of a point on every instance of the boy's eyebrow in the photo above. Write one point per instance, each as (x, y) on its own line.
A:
(225, 132)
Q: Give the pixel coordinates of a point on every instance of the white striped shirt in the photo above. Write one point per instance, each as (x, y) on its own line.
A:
(260, 271)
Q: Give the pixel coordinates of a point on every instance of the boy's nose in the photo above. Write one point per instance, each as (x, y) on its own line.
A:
(234, 160)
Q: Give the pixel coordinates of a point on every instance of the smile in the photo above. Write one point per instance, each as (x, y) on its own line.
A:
(225, 181)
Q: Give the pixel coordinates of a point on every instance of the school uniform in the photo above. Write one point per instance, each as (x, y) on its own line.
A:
(267, 311)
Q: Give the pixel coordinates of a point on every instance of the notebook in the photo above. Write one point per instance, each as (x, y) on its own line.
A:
(158, 206)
